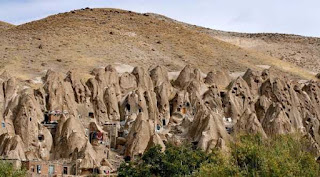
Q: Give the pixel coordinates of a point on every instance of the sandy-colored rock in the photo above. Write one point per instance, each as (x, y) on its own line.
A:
(219, 78)
(146, 110)
(12, 147)
(138, 138)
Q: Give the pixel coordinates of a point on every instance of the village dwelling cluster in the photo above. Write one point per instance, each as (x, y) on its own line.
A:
(49, 168)
(77, 128)
(111, 136)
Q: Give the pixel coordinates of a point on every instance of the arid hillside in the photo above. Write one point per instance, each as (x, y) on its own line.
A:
(300, 50)
(4, 25)
(89, 38)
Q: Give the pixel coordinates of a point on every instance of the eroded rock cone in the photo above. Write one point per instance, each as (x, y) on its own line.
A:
(276, 121)
(249, 123)
(159, 76)
(147, 110)
(127, 83)
(60, 95)
(12, 147)
(70, 136)
(187, 75)
(80, 89)
(218, 78)
(238, 99)
(138, 138)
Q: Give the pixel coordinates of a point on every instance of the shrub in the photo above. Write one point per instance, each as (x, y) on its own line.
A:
(250, 155)
(7, 170)
(283, 155)
(175, 161)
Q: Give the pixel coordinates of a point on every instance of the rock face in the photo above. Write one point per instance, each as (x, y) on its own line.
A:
(122, 115)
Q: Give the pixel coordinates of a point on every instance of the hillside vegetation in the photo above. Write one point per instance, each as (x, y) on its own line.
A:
(250, 155)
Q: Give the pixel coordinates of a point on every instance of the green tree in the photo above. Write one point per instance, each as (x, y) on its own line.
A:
(251, 155)
(7, 170)
(174, 161)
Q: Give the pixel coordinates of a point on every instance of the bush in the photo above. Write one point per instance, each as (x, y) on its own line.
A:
(283, 155)
(175, 161)
(250, 155)
(7, 170)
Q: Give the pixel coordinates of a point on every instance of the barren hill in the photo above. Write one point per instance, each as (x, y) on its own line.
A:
(300, 50)
(90, 38)
(4, 25)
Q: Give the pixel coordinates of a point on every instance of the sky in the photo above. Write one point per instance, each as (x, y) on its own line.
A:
(252, 16)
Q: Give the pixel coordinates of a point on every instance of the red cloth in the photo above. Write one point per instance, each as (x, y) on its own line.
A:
(99, 135)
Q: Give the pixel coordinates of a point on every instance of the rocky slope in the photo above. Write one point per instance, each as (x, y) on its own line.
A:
(4, 25)
(139, 108)
(300, 50)
(90, 38)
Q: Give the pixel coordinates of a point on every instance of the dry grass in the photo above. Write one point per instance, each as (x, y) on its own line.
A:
(4, 25)
(85, 39)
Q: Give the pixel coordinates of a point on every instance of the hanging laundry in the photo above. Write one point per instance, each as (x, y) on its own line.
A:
(99, 136)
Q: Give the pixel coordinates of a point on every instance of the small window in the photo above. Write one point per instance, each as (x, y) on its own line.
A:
(178, 109)
(140, 110)
(127, 158)
(158, 127)
(91, 115)
(121, 134)
(3, 124)
(195, 143)
(51, 169)
(40, 137)
(163, 122)
(128, 107)
(30, 119)
(187, 104)
(39, 169)
(65, 170)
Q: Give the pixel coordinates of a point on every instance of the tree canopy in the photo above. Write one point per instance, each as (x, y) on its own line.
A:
(7, 170)
(249, 155)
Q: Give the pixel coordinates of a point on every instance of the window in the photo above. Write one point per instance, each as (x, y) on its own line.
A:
(39, 169)
(128, 107)
(158, 127)
(127, 158)
(163, 122)
(40, 137)
(51, 169)
(91, 115)
(222, 94)
(3, 124)
(32, 168)
(121, 134)
(65, 170)
(46, 118)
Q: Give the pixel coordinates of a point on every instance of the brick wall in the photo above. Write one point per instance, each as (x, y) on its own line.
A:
(31, 167)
